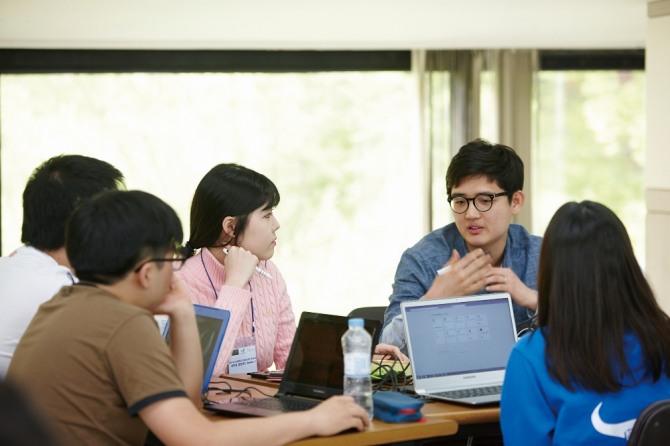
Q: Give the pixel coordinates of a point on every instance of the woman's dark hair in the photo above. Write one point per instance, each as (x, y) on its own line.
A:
(108, 235)
(497, 162)
(227, 190)
(591, 291)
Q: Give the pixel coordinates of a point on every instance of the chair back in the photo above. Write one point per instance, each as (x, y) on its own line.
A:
(652, 426)
(374, 313)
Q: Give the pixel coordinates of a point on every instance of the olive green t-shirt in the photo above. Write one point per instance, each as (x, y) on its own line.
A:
(91, 362)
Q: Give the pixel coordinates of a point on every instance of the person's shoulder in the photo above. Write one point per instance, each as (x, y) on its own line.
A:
(433, 249)
(92, 298)
(520, 235)
(520, 230)
(191, 265)
(29, 257)
(193, 273)
(532, 345)
(33, 275)
(443, 236)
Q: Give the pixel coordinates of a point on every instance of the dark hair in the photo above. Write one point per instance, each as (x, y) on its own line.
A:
(108, 235)
(227, 190)
(53, 190)
(496, 162)
(591, 291)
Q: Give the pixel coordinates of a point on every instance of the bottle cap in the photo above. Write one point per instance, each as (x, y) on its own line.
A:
(356, 322)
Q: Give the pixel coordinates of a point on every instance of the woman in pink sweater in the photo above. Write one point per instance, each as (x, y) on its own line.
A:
(231, 242)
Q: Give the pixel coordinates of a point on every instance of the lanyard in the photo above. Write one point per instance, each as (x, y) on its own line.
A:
(253, 319)
(216, 295)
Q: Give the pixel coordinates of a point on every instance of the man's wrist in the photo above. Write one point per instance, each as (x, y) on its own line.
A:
(181, 311)
(531, 300)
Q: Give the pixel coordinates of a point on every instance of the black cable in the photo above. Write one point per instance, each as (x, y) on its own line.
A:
(238, 393)
(390, 378)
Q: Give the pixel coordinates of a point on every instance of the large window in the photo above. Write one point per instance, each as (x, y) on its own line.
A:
(339, 146)
(590, 145)
(345, 143)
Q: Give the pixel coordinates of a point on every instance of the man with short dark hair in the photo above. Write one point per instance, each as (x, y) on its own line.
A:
(481, 251)
(33, 273)
(96, 361)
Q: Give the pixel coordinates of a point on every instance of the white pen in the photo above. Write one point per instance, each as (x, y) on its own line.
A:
(443, 270)
(259, 270)
(448, 267)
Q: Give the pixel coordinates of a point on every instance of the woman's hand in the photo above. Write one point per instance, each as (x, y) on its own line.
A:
(240, 265)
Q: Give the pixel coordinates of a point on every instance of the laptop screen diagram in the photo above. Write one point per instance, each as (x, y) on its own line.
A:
(459, 343)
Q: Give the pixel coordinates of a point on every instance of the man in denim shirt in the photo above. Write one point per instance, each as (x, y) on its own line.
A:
(481, 251)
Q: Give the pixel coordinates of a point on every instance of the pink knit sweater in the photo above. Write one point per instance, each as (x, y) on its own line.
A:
(273, 315)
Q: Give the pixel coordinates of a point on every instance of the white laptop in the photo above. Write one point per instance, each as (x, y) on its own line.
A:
(459, 346)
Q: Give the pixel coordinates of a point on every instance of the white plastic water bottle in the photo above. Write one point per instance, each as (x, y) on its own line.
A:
(357, 349)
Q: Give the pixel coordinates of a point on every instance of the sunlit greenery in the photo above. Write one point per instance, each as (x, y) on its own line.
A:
(339, 146)
(590, 145)
(343, 148)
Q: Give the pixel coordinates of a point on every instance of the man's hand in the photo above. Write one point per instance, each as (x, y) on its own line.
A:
(177, 300)
(390, 350)
(504, 280)
(336, 414)
(461, 276)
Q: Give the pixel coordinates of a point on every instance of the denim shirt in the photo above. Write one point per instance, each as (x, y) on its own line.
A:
(419, 264)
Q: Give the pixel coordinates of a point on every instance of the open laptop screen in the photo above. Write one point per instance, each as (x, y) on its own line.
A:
(316, 364)
(212, 324)
(457, 336)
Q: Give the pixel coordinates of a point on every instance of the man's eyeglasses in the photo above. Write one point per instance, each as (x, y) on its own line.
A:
(177, 262)
(483, 202)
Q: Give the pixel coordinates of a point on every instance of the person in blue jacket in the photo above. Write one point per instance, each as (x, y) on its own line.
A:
(481, 251)
(601, 351)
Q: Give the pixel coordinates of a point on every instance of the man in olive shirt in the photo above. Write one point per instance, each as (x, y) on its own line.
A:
(95, 360)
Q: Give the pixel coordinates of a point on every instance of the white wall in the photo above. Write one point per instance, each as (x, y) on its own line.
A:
(318, 24)
(657, 166)
(658, 101)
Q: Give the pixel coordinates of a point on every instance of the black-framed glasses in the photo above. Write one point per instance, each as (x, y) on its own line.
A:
(177, 262)
(483, 202)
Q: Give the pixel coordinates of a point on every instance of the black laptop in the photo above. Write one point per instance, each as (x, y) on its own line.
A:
(313, 370)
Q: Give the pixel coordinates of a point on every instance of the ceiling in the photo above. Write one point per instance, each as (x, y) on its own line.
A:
(315, 24)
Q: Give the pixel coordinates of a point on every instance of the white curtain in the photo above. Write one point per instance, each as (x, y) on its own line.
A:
(468, 94)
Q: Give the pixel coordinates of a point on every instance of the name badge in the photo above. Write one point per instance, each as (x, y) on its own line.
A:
(243, 359)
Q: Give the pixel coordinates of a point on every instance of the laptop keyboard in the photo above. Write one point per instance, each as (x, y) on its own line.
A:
(281, 405)
(469, 393)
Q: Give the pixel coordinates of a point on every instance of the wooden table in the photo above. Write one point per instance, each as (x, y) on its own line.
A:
(440, 419)
(384, 433)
